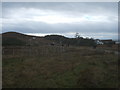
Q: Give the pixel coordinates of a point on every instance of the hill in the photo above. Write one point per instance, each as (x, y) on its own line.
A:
(18, 39)
(71, 41)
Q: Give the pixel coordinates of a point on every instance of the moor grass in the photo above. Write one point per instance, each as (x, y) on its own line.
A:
(74, 67)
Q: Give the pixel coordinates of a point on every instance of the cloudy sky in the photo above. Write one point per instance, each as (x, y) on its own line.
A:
(89, 19)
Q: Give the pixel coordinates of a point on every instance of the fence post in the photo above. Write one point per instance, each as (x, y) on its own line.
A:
(13, 51)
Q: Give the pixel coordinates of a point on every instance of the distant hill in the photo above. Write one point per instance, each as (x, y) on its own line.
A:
(70, 41)
(19, 39)
(57, 38)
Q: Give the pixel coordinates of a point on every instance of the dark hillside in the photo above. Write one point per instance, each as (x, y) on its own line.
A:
(18, 39)
(71, 41)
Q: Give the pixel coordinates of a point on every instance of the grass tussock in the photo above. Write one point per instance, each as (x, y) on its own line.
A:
(74, 67)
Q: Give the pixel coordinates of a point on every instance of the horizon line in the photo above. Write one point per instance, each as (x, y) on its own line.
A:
(29, 34)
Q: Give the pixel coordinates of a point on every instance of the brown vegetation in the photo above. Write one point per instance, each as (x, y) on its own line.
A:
(59, 67)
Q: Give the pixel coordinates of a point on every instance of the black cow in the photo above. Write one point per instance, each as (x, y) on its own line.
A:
(52, 44)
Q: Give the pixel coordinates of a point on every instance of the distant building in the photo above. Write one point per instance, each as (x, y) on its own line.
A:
(109, 41)
(98, 42)
(117, 42)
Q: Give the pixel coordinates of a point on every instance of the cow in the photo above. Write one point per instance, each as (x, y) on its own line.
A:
(52, 44)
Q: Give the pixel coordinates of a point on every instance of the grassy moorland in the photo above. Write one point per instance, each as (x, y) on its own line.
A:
(59, 67)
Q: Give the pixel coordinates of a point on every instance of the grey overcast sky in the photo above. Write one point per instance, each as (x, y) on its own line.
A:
(90, 19)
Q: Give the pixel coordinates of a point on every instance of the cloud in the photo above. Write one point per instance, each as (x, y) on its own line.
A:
(85, 35)
(65, 18)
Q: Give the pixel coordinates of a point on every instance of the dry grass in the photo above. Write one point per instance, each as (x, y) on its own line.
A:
(72, 67)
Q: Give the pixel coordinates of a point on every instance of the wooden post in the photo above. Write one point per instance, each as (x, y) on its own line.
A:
(13, 51)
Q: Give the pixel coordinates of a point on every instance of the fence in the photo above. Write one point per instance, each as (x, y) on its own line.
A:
(33, 51)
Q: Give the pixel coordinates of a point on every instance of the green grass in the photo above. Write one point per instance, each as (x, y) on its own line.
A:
(74, 68)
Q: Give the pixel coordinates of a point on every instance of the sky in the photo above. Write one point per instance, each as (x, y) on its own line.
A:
(97, 20)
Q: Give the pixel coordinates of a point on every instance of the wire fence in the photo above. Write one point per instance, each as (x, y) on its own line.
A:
(33, 51)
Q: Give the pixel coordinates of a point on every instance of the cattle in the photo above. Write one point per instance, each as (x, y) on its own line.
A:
(52, 44)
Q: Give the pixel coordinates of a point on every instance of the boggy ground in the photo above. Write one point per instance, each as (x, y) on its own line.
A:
(73, 67)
